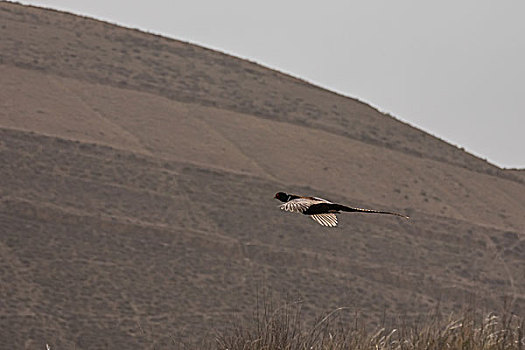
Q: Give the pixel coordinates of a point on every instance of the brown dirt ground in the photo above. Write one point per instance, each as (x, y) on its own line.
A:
(136, 184)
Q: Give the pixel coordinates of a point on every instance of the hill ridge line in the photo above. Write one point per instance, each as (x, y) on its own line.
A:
(213, 104)
(199, 167)
(196, 165)
(197, 45)
(478, 164)
(495, 171)
(500, 173)
(98, 232)
(146, 156)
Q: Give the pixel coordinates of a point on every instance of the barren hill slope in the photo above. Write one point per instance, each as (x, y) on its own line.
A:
(137, 181)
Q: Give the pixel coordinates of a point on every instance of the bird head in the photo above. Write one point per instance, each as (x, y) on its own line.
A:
(283, 197)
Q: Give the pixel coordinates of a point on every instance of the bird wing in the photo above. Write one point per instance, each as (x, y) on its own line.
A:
(301, 204)
(329, 220)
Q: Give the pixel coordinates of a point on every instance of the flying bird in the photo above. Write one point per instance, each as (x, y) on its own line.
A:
(320, 210)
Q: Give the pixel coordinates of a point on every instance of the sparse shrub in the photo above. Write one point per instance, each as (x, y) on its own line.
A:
(276, 328)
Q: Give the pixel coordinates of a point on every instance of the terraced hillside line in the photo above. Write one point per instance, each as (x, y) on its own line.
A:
(168, 129)
(105, 120)
(193, 74)
(129, 218)
(197, 264)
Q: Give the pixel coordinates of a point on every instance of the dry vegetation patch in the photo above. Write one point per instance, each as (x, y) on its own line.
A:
(283, 328)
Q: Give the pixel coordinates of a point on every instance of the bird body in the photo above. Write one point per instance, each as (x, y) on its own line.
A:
(319, 209)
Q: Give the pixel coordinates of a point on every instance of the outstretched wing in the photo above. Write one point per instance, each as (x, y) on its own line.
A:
(300, 205)
(329, 220)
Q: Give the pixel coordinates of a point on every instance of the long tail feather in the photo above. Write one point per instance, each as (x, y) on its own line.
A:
(362, 210)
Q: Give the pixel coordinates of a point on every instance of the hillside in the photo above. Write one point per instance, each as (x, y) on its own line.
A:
(137, 182)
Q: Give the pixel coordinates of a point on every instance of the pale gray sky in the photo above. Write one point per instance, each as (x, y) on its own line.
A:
(452, 68)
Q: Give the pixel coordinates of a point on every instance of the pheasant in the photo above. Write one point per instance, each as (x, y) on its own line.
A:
(320, 210)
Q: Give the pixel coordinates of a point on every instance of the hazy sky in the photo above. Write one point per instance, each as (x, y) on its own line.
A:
(456, 69)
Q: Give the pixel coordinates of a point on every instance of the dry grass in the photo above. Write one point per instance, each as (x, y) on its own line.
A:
(282, 328)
